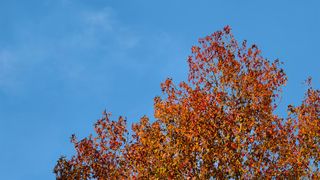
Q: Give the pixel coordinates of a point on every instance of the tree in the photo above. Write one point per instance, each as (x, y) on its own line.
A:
(219, 124)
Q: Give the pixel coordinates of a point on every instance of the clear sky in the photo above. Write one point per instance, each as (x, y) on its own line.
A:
(62, 62)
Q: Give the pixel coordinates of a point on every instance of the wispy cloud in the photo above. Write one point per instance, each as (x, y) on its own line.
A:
(73, 51)
(77, 46)
(102, 19)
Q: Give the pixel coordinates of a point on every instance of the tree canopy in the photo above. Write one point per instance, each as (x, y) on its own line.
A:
(220, 123)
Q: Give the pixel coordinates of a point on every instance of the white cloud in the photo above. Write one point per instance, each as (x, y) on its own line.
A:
(100, 19)
(67, 49)
(92, 47)
(104, 23)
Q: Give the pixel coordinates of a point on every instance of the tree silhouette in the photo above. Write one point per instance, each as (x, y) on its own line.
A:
(219, 124)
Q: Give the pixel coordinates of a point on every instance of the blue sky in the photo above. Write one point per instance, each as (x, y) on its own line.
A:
(62, 62)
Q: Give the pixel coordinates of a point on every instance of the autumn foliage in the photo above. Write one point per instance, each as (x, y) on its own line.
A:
(219, 124)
